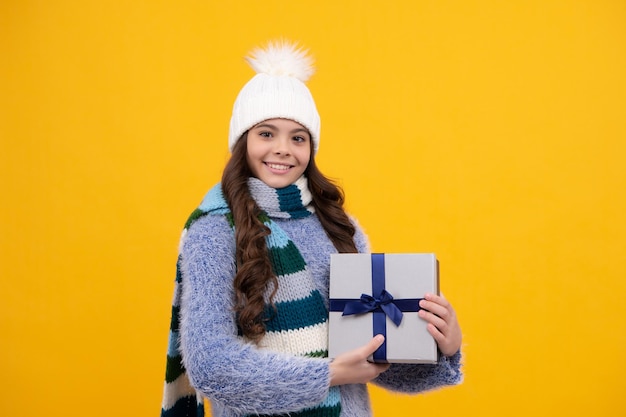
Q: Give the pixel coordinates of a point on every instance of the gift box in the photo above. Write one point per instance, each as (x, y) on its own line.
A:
(379, 294)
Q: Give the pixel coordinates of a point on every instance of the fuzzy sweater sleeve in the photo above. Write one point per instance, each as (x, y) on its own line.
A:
(234, 374)
(414, 378)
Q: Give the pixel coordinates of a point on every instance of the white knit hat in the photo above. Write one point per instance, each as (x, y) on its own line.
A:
(276, 91)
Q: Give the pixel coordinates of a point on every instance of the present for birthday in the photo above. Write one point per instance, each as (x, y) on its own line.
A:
(379, 293)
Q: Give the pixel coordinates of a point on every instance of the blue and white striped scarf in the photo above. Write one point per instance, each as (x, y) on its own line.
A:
(298, 324)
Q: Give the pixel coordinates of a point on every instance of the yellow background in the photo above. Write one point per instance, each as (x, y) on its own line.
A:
(489, 132)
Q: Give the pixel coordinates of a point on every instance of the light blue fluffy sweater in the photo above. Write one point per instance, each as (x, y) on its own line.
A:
(240, 379)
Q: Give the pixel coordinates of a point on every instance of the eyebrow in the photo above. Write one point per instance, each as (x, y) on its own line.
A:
(271, 126)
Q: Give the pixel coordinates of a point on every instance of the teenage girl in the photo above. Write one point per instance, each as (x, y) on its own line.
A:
(250, 313)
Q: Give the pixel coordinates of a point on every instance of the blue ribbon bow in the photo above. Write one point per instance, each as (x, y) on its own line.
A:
(368, 303)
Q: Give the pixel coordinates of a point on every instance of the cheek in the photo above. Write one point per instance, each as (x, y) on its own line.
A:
(252, 153)
(304, 156)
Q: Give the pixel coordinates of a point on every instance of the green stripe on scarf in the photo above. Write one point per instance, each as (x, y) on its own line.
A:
(313, 312)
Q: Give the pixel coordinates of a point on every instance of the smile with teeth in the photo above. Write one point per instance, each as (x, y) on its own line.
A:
(279, 167)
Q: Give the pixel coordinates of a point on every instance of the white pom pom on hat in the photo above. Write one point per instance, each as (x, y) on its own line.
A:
(278, 90)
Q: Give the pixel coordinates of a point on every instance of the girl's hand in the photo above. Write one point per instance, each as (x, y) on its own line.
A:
(353, 367)
(442, 323)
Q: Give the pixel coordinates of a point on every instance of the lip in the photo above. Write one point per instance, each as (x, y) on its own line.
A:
(278, 167)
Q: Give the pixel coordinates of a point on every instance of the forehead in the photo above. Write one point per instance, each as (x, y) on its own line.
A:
(279, 123)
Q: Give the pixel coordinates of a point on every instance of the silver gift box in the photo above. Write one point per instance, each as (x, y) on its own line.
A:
(407, 277)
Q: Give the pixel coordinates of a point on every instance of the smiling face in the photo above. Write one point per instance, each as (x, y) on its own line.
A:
(278, 151)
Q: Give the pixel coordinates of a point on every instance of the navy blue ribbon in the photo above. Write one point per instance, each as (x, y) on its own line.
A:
(381, 305)
(367, 303)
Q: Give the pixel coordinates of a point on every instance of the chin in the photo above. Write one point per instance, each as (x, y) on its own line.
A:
(278, 182)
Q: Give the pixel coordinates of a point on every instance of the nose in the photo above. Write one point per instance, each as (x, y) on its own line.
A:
(282, 146)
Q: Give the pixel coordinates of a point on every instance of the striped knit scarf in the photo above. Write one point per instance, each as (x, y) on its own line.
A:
(297, 325)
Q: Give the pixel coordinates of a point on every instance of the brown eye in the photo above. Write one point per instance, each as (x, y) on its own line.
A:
(300, 139)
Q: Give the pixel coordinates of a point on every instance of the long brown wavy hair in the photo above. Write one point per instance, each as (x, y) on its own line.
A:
(254, 270)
